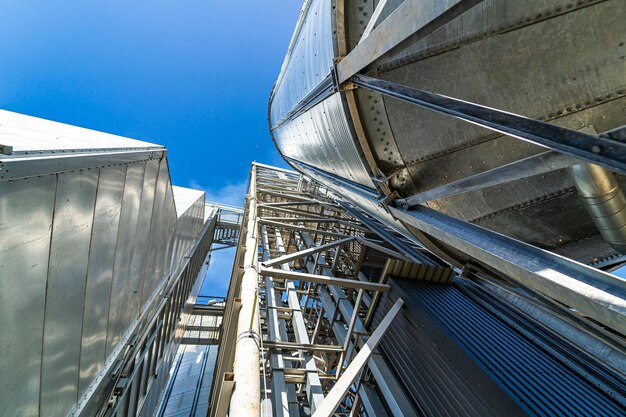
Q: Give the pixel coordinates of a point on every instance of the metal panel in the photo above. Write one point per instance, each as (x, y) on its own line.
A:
(26, 208)
(164, 264)
(150, 279)
(322, 138)
(308, 60)
(67, 273)
(141, 241)
(439, 379)
(124, 253)
(190, 210)
(100, 273)
(411, 18)
(552, 72)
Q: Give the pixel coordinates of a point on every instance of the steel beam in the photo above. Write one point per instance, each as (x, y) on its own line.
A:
(403, 247)
(373, 20)
(301, 228)
(382, 249)
(301, 346)
(371, 401)
(390, 388)
(322, 279)
(595, 149)
(316, 220)
(339, 390)
(593, 293)
(541, 163)
(283, 398)
(412, 19)
(298, 212)
(314, 391)
(306, 252)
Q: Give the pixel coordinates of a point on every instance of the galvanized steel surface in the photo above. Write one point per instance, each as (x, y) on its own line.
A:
(321, 137)
(77, 256)
(519, 70)
(557, 62)
(100, 274)
(26, 208)
(308, 62)
(67, 270)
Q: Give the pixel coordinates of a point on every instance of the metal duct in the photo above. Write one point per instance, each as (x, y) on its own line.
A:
(604, 200)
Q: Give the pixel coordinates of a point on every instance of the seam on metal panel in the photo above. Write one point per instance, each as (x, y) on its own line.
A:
(318, 94)
(529, 203)
(82, 327)
(113, 266)
(43, 327)
(521, 22)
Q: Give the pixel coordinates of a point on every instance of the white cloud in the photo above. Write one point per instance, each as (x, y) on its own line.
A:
(230, 194)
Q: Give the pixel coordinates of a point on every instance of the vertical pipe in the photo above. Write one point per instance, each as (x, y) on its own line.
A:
(246, 398)
(604, 200)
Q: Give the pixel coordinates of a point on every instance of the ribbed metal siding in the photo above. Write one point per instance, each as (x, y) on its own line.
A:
(309, 59)
(538, 382)
(321, 137)
(76, 251)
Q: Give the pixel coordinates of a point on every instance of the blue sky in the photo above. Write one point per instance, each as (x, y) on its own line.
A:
(193, 75)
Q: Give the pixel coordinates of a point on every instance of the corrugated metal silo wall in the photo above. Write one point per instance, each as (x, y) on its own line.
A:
(319, 135)
(454, 358)
(80, 255)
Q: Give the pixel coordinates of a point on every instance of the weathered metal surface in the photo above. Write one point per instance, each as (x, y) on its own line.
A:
(322, 138)
(100, 273)
(408, 20)
(542, 92)
(556, 62)
(78, 242)
(309, 59)
(26, 208)
(67, 271)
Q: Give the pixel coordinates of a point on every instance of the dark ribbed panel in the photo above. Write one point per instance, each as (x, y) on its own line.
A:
(522, 362)
(438, 378)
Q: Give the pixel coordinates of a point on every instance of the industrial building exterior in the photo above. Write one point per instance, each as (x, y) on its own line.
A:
(444, 245)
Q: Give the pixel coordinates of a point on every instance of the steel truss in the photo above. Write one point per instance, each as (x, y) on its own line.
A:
(318, 272)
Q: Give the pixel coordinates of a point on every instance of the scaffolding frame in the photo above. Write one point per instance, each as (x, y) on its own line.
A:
(318, 271)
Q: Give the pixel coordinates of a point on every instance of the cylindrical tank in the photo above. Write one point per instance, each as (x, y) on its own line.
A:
(560, 62)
